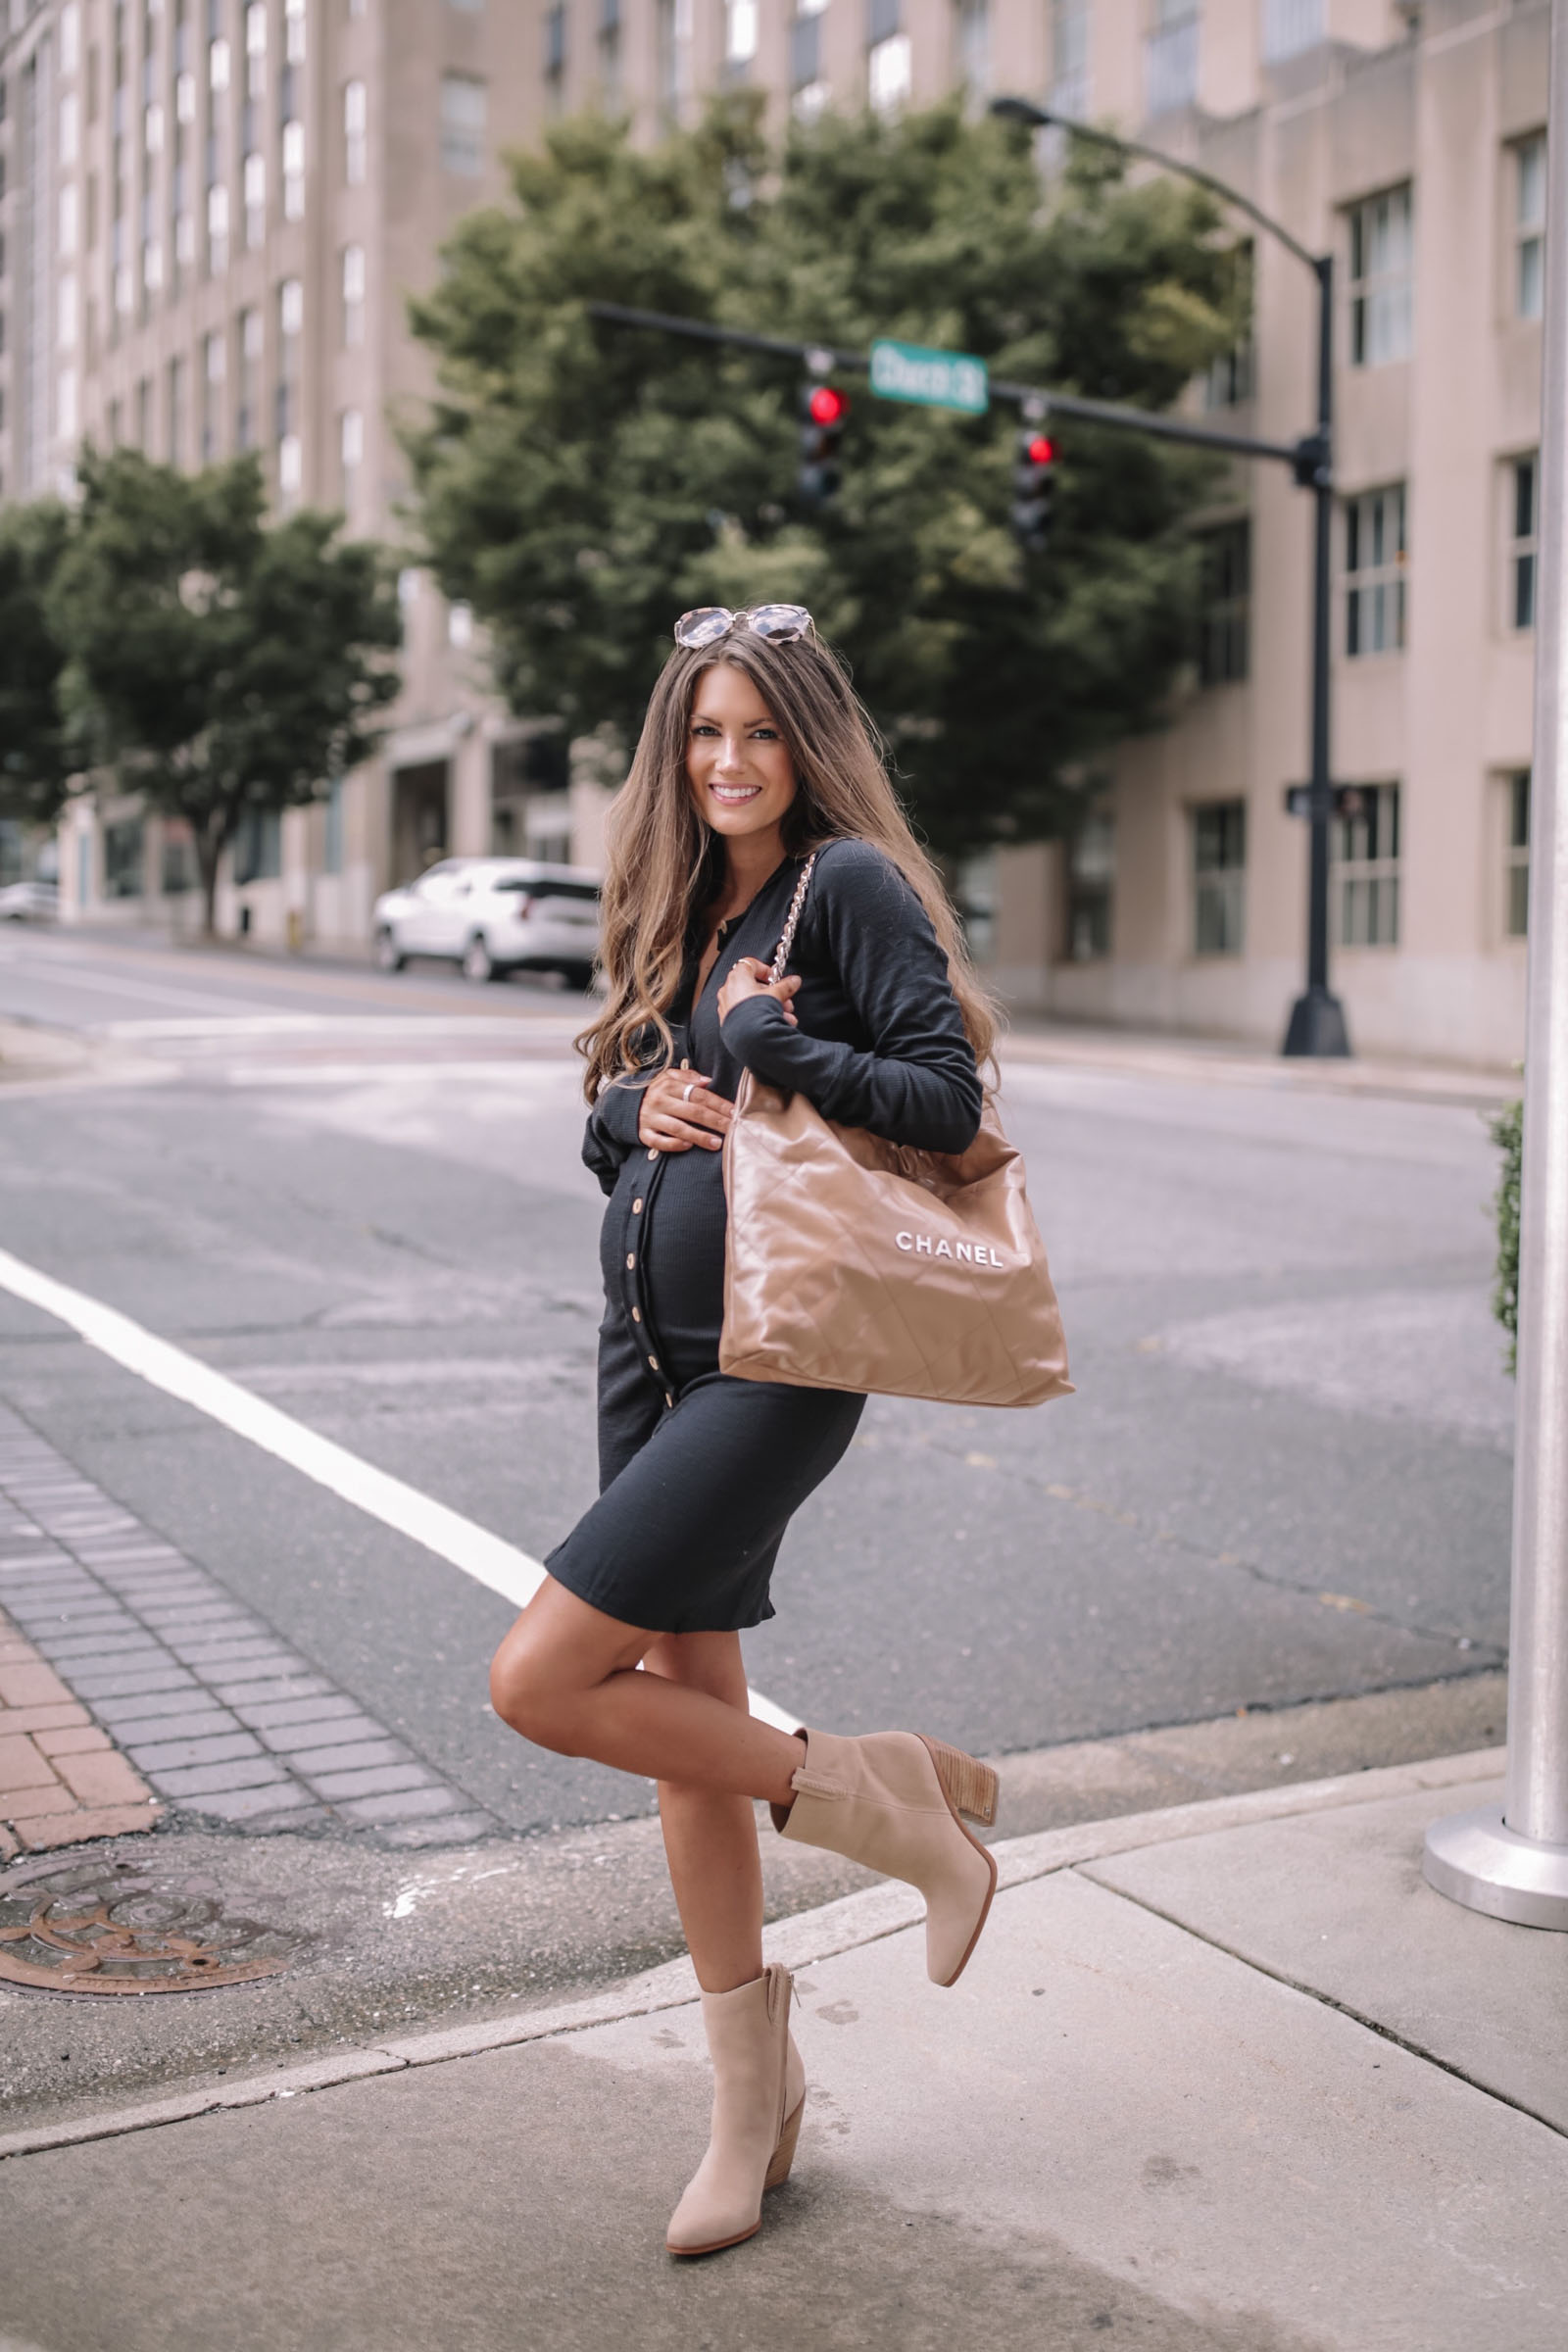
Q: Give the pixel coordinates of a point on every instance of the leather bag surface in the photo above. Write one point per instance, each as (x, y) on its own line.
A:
(857, 1264)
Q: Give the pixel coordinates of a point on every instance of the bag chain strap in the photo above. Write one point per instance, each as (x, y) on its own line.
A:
(786, 938)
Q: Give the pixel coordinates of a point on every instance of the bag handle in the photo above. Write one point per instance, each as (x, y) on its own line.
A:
(786, 938)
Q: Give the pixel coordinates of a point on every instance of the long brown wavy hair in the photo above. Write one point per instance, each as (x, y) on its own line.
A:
(665, 865)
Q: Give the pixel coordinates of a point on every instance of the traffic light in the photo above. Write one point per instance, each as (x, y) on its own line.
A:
(1034, 490)
(823, 412)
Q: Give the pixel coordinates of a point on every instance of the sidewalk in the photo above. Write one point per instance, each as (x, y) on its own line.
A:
(1227, 2077)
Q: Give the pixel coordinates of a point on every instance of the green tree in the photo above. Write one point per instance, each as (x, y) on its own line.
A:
(36, 757)
(581, 483)
(218, 662)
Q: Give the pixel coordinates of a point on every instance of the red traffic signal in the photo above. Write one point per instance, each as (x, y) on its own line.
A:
(1042, 450)
(823, 412)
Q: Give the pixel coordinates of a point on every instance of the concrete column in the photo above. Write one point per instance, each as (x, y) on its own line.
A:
(468, 796)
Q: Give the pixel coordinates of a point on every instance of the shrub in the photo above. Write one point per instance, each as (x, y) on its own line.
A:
(1508, 1133)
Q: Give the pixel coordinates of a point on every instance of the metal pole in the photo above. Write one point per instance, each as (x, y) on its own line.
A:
(1317, 1019)
(1512, 1860)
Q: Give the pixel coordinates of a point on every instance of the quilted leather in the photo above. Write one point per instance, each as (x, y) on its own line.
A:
(854, 1264)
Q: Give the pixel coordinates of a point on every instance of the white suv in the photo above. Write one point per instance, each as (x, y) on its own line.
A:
(494, 915)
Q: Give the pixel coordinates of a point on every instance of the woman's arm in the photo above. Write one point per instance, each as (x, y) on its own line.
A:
(918, 1083)
(611, 1135)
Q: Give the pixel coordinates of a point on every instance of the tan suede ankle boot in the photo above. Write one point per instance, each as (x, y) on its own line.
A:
(893, 1800)
(758, 2097)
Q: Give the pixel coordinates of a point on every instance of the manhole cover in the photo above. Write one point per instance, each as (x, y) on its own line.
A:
(111, 1926)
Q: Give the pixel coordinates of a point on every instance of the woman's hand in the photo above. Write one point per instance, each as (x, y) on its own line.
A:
(677, 1112)
(748, 977)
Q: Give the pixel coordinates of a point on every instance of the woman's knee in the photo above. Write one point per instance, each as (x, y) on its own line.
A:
(528, 1692)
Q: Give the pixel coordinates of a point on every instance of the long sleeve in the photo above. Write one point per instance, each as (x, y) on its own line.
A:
(918, 1083)
(611, 1130)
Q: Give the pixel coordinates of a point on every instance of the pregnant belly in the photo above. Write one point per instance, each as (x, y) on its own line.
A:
(683, 1260)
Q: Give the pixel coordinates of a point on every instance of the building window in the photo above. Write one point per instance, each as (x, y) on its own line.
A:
(808, 89)
(1365, 862)
(247, 415)
(609, 52)
(555, 51)
(1524, 523)
(1289, 26)
(889, 59)
(1170, 57)
(1374, 572)
(259, 847)
(294, 31)
(255, 200)
(1224, 611)
(124, 858)
(294, 170)
(463, 112)
(174, 419)
(459, 625)
(144, 414)
(971, 44)
(1228, 380)
(353, 296)
(351, 452)
(216, 230)
(290, 451)
(1091, 878)
(673, 36)
(1516, 864)
(355, 119)
(1530, 226)
(1380, 278)
(740, 36)
(1069, 57)
(214, 367)
(1219, 879)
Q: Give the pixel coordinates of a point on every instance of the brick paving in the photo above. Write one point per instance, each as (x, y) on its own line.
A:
(127, 1674)
(60, 1779)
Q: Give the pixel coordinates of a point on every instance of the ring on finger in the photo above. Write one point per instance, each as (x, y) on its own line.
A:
(687, 1091)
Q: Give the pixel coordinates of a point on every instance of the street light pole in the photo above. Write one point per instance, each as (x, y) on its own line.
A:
(1512, 1861)
(1317, 1019)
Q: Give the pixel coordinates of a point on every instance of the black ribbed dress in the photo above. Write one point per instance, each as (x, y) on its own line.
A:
(699, 1472)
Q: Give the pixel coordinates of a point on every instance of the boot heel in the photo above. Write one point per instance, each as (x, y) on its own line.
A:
(778, 2172)
(970, 1787)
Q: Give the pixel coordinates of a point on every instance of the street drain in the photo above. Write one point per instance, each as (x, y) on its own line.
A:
(95, 1927)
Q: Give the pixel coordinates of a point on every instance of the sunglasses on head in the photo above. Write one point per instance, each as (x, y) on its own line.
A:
(780, 624)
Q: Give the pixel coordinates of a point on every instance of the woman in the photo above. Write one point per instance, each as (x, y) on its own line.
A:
(753, 753)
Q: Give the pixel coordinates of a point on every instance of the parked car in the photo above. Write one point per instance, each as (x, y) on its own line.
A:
(30, 903)
(494, 915)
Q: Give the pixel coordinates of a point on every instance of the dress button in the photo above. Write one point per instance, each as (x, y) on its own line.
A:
(653, 1360)
(631, 1260)
(636, 1315)
(636, 1208)
(669, 1399)
(653, 1154)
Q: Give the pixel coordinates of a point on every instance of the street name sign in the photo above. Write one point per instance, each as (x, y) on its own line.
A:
(932, 379)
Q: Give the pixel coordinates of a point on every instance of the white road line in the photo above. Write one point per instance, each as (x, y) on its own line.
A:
(460, 1541)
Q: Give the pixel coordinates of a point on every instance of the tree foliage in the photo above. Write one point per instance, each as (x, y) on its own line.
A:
(217, 662)
(35, 759)
(581, 483)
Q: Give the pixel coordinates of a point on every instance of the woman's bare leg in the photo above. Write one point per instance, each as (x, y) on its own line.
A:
(710, 1834)
(565, 1676)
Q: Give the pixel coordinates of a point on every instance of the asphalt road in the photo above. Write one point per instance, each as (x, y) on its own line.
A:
(1285, 1475)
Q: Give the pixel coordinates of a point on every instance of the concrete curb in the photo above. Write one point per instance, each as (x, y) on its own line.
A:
(810, 1935)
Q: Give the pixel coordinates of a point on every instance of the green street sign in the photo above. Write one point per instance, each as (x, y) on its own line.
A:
(932, 379)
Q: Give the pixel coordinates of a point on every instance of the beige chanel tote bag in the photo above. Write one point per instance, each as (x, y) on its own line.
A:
(856, 1263)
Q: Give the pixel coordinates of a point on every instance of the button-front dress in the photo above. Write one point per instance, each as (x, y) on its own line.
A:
(700, 1472)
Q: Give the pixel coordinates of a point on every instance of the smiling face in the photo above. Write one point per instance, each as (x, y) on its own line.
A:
(741, 775)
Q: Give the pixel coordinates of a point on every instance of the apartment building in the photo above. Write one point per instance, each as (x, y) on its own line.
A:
(214, 212)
